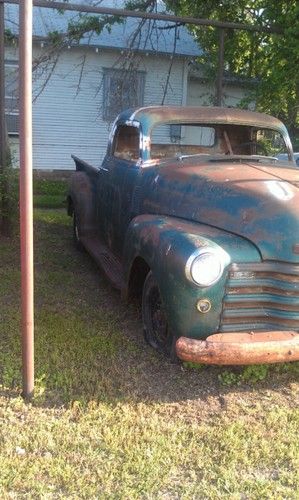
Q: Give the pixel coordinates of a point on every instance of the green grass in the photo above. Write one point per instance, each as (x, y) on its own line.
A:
(49, 193)
(113, 419)
(49, 201)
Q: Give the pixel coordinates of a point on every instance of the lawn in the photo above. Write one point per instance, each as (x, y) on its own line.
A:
(113, 419)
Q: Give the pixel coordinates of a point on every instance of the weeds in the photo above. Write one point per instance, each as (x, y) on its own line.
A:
(250, 374)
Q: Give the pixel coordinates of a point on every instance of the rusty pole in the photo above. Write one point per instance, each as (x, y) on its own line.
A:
(26, 204)
(95, 9)
(220, 69)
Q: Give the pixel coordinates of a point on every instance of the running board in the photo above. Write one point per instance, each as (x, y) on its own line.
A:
(110, 265)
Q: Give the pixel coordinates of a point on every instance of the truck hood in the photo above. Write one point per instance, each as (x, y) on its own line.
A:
(258, 201)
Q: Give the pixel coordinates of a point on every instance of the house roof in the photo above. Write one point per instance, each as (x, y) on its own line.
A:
(154, 36)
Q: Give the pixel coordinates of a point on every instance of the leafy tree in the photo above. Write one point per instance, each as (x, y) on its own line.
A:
(271, 59)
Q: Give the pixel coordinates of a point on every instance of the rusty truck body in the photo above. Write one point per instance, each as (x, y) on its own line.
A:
(193, 211)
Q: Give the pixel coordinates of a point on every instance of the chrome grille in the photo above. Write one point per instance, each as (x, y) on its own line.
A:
(262, 296)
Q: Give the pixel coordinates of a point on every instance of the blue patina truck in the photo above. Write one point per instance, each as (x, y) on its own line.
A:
(193, 211)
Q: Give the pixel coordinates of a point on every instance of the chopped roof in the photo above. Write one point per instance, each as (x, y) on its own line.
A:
(152, 38)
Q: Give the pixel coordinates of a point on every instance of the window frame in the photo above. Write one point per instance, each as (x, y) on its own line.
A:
(110, 112)
(9, 112)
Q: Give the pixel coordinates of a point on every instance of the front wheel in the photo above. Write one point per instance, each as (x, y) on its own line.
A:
(156, 329)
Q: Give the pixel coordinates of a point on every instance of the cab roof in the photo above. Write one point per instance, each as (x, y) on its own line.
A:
(153, 115)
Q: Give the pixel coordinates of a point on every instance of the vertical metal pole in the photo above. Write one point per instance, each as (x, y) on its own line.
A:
(219, 80)
(26, 204)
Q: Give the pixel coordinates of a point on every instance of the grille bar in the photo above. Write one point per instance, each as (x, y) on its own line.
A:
(262, 290)
(261, 296)
(267, 306)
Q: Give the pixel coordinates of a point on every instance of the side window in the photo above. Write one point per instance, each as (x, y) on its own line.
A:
(269, 142)
(126, 143)
(122, 90)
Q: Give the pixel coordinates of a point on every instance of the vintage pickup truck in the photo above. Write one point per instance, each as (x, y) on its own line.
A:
(192, 211)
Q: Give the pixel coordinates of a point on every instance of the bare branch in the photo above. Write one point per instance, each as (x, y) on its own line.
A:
(171, 26)
(50, 73)
(170, 67)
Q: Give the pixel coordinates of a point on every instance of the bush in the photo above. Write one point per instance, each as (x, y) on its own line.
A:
(9, 206)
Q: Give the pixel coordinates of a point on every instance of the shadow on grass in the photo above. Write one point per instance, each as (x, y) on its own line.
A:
(89, 345)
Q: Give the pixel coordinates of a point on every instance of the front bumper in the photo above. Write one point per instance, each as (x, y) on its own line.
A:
(240, 348)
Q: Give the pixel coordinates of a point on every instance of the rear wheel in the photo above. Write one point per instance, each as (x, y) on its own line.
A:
(156, 329)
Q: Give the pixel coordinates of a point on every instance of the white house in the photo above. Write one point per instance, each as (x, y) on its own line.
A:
(77, 96)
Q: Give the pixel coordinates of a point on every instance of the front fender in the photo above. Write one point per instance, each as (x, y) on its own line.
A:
(165, 244)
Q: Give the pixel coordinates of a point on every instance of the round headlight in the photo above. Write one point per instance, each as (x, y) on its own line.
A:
(205, 267)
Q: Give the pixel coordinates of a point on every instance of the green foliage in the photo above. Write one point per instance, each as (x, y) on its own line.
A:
(288, 368)
(229, 378)
(49, 186)
(193, 366)
(9, 195)
(88, 23)
(55, 38)
(271, 59)
(142, 5)
(81, 26)
(9, 37)
(253, 374)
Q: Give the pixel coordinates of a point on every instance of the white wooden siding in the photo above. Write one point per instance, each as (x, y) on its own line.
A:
(68, 122)
(11, 53)
(65, 123)
(203, 94)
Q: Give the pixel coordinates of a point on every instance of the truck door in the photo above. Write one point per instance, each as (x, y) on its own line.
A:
(117, 180)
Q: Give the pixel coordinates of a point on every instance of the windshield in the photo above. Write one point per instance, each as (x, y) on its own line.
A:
(181, 140)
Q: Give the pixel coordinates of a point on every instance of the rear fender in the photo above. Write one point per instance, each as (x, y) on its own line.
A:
(81, 200)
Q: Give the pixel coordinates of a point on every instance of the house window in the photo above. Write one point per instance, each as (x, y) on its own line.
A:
(122, 90)
(12, 97)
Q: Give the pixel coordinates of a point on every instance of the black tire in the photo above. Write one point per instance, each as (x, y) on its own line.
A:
(156, 329)
(76, 234)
